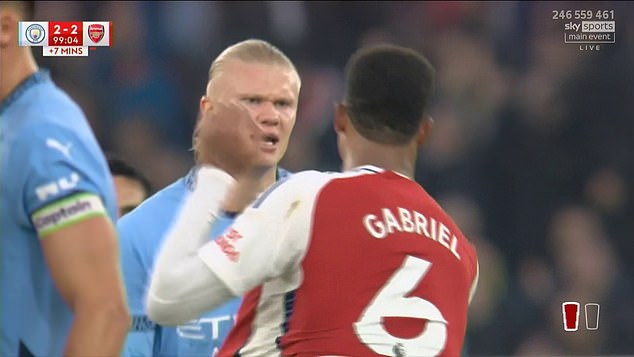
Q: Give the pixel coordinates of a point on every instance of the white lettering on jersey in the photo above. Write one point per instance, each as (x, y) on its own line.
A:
(388, 223)
(49, 189)
(195, 330)
(53, 188)
(64, 149)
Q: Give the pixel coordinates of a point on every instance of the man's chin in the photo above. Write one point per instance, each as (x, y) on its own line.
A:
(265, 164)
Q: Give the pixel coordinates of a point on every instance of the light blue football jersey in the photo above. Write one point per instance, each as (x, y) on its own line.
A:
(141, 233)
(51, 169)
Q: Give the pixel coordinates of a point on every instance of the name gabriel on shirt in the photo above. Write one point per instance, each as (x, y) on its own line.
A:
(381, 225)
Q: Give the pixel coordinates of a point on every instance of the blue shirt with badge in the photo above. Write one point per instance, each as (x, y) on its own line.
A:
(52, 174)
(141, 233)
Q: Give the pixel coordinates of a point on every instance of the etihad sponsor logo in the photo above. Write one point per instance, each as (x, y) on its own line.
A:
(67, 211)
(226, 243)
(207, 328)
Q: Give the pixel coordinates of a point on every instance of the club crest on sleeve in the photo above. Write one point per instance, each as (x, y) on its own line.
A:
(226, 243)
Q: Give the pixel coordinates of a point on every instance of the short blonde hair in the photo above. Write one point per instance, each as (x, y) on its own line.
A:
(250, 51)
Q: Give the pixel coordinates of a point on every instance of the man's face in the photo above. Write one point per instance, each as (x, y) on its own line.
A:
(248, 114)
(130, 193)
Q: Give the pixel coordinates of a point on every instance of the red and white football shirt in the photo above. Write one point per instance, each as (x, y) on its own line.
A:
(362, 263)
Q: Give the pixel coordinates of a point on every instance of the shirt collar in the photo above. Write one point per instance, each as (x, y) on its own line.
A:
(369, 168)
(38, 77)
(190, 178)
(376, 170)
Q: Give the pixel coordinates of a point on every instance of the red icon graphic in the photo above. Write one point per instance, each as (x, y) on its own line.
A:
(571, 311)
(95, 32)
(571, 315)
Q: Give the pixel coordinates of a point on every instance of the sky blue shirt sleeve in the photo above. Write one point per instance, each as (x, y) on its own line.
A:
(47, 153)
(59, 164)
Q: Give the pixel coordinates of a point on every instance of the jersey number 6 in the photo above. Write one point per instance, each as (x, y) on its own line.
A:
(391, 302)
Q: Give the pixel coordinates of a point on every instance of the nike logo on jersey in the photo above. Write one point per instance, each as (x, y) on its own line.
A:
(64, 149)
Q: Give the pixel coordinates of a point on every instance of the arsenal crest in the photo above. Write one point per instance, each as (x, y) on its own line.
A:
(95, 32)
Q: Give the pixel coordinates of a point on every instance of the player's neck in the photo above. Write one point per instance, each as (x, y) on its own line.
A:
(23, 65)
(266, 178)
(400, 159)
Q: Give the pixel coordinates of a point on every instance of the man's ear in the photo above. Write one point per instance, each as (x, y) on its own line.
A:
(424, 130)
(8, 28)
(205, 104)
(341, 118)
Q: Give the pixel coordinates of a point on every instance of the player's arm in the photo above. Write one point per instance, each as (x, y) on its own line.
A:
(67, 194)
(185, 284)
(83, 261)
(177, 269)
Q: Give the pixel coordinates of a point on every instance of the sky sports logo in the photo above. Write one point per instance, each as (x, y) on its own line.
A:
(67, 211)
(591, 26)
(590, 34)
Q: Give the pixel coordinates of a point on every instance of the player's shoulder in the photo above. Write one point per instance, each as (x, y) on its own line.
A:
(156, 212)
(314, 179)
(161, 204)
(294, 186)
(44, 132)
(307, 180)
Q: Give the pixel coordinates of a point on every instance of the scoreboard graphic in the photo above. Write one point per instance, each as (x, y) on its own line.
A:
(65, 39)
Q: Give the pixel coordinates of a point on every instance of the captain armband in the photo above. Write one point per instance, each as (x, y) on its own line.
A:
(67, 211)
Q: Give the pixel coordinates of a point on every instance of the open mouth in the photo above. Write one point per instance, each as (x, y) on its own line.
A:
(271, 139)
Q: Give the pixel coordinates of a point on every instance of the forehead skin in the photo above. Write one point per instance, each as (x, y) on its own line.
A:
(236, 78)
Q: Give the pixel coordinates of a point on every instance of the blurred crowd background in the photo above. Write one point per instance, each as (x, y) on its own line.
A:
(532, 151)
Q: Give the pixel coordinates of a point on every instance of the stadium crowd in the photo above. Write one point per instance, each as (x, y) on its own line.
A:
(532, 151)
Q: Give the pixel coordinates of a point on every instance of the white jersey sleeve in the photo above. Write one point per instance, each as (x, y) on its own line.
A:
(270, 238)
(194, 274)
(180, 281)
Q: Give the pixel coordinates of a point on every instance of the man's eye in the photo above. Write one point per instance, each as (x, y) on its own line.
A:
(282, 104)
(253, 100)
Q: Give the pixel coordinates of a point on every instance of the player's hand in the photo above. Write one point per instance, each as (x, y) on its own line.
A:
(241, 193)
(228, 137)
(227, 134)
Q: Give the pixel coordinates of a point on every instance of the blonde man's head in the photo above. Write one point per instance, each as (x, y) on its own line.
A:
(248, 51)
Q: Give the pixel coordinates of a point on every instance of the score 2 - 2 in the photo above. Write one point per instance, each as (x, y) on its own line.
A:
(65, 33)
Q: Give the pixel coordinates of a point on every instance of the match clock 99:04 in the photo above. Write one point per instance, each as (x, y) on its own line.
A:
(65, 41)
(65, 33)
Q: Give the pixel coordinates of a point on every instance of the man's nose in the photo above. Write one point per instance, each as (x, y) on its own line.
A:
(269, 114)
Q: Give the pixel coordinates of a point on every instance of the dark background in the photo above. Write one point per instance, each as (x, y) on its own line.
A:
(532, 151)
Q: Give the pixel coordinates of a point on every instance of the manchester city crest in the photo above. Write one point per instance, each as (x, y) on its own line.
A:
(35, 34)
